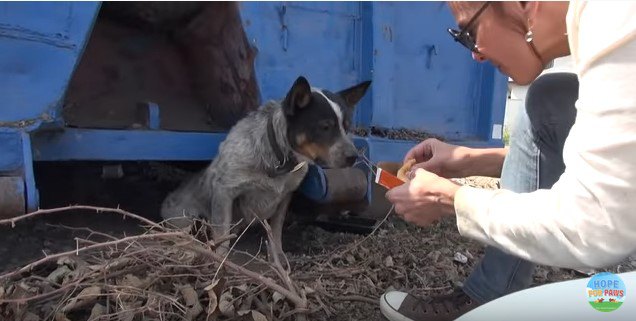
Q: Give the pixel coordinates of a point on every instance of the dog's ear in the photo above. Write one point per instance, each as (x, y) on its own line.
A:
(352, 95)
(298, 96)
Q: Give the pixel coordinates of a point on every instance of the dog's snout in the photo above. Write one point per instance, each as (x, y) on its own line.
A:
(342, 154)
(351, 160)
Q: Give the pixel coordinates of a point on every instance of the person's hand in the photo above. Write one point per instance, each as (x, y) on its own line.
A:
(425, 199)
(435, 156)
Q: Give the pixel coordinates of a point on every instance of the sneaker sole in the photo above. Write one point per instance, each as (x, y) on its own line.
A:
(390, 313)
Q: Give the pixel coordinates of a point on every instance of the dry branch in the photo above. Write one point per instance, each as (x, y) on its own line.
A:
(49, 258)
(169, 273)
(77, 207)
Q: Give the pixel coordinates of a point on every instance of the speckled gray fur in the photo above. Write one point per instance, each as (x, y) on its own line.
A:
(238, 173)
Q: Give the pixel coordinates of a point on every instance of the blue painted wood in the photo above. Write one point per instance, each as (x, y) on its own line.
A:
(383, 149)
(422, 79)
(364, 111)
(96, 144)
(10, 152)
(154, 119)
(425, 81)
(314, 39)
(40, 43)
(32, 196)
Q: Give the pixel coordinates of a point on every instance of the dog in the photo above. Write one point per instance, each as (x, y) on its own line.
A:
(264, 159)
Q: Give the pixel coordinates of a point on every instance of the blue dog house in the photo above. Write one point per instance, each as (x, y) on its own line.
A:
(117, 82)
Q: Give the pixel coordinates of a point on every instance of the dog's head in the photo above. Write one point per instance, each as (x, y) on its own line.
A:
(318, 122)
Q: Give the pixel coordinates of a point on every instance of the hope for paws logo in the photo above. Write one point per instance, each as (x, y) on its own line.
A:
(605, 292)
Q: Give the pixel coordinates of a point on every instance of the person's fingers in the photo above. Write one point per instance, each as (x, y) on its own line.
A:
(421, 171)
(421, 152)
(394, 194)
(432, 166)
(411, 153)
(400, 209)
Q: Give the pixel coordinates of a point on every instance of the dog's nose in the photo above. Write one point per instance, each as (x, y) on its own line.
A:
(351, 160)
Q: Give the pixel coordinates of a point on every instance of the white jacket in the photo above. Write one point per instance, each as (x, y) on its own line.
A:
(588, 218)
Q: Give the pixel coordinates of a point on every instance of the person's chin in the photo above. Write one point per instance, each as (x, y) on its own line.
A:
(522, 78)
(522, 82)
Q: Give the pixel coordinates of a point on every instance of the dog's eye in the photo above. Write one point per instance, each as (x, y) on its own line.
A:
(325, 126)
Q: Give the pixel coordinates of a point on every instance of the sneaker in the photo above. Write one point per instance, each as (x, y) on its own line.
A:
(401, 306)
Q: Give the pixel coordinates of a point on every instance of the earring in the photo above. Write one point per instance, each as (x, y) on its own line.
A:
(529, 36)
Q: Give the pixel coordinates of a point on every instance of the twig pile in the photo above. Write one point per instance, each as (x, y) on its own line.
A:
(171, 274)
(162, 274)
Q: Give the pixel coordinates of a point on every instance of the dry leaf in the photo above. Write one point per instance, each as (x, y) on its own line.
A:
(277, 297)
(191, 299)
(97, 311)
(257, 316)
(434, 256)
(67, 261)
(61, 317)
(131, 281)
(27, 288)
(225, 304)
(74, 275)
(242, 312)
(388, 261)
(86, 296)
(111, 265)
(127, 316)
(211, 286)
(213, 303)
(30, 317)
(58, 274)
(461, 258)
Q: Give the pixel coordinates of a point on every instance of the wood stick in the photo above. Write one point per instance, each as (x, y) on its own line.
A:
(296, 299)
(77, 207)
(45, 259)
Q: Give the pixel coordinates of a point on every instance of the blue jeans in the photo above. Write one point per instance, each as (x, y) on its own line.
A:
(534, 161)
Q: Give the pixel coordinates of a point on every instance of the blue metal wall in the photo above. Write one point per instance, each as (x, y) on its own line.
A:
(425, 81)
(317, 39)
(40, 44)
(422, 80)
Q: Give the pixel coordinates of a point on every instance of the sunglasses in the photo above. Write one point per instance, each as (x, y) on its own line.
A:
(463, 36)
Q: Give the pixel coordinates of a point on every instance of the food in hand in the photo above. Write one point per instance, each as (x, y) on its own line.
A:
(403, 172)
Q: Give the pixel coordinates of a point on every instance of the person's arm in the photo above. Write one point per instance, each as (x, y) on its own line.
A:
(483, 162)
(588, 218)
(452, 161)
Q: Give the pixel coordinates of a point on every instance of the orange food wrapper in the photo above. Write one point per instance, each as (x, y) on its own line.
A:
(386, 179)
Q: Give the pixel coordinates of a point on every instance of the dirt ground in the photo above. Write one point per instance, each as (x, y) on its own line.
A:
(352, 270)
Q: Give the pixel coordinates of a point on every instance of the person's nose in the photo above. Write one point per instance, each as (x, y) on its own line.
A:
(478, 57)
